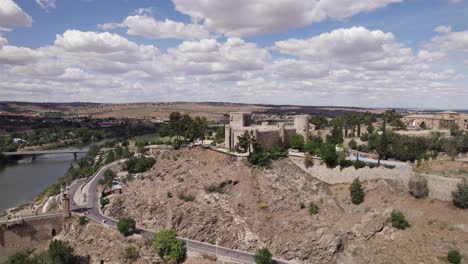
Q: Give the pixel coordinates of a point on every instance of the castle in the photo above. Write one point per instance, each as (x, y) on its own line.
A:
(437, 120)
(265, 134)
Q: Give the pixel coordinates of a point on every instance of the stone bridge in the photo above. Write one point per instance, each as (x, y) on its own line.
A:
(27, 232)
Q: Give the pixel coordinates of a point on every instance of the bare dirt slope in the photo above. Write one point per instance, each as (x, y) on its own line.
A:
(101, 243)
(261, 208)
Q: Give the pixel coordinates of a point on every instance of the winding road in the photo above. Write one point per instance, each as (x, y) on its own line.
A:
(90, 188)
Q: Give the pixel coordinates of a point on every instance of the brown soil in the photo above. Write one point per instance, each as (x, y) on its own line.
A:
(261, 208)
(447, 168)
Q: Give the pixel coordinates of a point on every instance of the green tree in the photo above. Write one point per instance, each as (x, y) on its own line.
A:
(296, 141)
(140, 147)
(118, 152)
(168, 247)
(106, 180)
(125, 225)
(175, 125)
(259, 156)
(460, 195)
(352, 144)
(357, 193)
(245, 141)
(399, 221)
(219, 134)
(336, 136)
(60, 252)
(110, 157)
(454, 256)
(263, 256)
(313, 144)
(126, 153)
(19, 258)
(328, 154)
(319, 121)
(131, 253)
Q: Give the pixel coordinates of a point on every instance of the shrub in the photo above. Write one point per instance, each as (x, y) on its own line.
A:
(399, 221)
(352, 144)
(329, 155)
(262, 206)
(60, 252)
(169, 195)
(359, 164)
(302, 205)
(357, 193)
(81, 220)
(418, 186)
(263, 256)
(460, 195)
(214, 188)
(308, 160)
(259, 156)
(104, 201)
(131, 253)
(296, 141)
(313, 208)
(454, 256)
(167, 246)
(125, 225)
(186, 197)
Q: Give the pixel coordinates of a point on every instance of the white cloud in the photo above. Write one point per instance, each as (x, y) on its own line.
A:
(443, 29)
(4, 29)
(250, 17)
(3, 41)
(79, 41)
(355, 46)
(451, 41)
(112, 25)
(17, 56)
(46, 4)
(426, 55)
(296, 69)
(107, 67)
(11, 14)
(207, 56)
(455, 1)
(148, 27)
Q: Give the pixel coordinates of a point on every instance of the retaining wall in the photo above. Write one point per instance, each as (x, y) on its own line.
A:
(439, 187)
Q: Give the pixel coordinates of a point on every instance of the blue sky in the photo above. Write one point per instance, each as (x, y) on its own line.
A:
(385, 53)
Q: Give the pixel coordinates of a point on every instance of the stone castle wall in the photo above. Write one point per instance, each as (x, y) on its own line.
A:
(27, 234)
(440, 188)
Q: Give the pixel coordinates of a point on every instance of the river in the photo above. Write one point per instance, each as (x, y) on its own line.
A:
(20, 183)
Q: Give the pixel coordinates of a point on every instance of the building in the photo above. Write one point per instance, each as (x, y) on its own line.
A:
(440, 120)
(265, 134)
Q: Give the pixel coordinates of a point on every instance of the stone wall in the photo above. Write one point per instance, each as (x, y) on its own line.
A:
(27, 234)
(439, 187)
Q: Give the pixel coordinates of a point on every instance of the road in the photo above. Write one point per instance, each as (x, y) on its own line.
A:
(97, 216)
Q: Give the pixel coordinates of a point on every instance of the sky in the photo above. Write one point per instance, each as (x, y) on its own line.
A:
(366, 53)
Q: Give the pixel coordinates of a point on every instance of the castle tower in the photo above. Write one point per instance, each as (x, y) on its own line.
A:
(65, 204)
(239, 119)
(301, 124)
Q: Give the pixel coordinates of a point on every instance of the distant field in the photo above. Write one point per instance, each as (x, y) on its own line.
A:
(160, 111)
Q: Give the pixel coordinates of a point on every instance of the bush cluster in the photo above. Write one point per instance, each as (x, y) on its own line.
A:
(399, 221)
(357, 193)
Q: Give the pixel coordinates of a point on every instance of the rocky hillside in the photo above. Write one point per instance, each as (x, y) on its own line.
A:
(242, 207)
